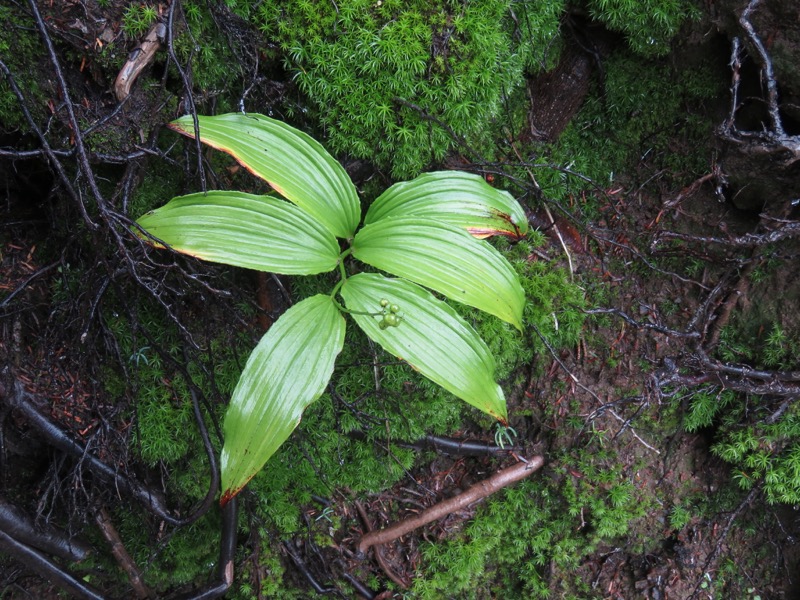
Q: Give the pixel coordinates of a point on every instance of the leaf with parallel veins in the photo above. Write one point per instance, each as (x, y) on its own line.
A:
(430, 336)
(244, 230)
(292, 162)
(446, 259)
(461, 199)
(286, 372)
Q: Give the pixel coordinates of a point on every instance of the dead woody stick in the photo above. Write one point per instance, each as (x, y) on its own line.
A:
(121, 554)
(478, 491)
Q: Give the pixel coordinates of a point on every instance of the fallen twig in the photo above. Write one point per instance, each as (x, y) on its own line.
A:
(549, 214)
(80, 148)
(640, 324)
(748, 240)
(359, 587)
(138, 60)
(123, 558)
(478, 491)
(303, 568)
(455, 447)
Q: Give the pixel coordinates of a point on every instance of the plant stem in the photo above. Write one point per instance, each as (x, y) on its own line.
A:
(342, 270)
(341, 281)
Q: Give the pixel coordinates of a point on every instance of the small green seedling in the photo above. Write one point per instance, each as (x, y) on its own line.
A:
(426, 232)
(504, 434)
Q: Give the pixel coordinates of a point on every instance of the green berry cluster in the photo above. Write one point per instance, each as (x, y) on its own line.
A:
(391, 318)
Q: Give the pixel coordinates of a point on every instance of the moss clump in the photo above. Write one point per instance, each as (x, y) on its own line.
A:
(20, 50)
(648, 25)
(393, 81)
(753, 433)
(634, 119)
(554, 307)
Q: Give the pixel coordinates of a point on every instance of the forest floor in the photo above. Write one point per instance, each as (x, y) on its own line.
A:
(700, 536)
(608, 382)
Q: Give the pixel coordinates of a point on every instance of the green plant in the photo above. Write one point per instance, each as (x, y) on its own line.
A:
(418, 230)
(137, 19)
(679, 516)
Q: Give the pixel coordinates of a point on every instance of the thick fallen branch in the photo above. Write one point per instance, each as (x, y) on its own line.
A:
(21, 527)
(477, 492)
(46, 568)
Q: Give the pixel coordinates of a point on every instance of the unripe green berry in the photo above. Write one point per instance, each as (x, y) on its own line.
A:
(394, 308)
(391, 320)
(384, 303)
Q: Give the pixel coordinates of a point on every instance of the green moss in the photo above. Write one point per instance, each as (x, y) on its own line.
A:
(554, 307)
(761, 443)
(138, 18)
(205, 49)
(552, 520)
(388, 79)
(648, 25)
(635, 120)
(180, 557)
(20, 49)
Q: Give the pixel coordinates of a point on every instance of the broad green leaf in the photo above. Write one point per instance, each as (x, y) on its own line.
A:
(431, 337)
(446, 259)
(234, 228)
(292, 162)
(287, 371)
(461, 199)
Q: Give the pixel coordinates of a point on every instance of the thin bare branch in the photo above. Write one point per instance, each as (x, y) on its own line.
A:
(478, 491)
(124, 559)
(748, 240)
(80, 149)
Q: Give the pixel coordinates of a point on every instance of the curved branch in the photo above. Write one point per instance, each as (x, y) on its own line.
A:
(227, 549)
